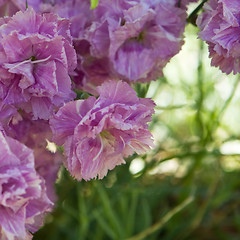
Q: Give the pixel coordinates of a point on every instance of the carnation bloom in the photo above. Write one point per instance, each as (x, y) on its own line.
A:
(91, 72)
(77, 11)
(36, 57)
(138, 37)
(81, 17)
(23, 199)
(98, 133)
(34, 134)
(220, 28)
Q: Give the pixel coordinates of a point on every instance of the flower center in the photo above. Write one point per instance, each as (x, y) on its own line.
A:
(104, 134)
(139, 38)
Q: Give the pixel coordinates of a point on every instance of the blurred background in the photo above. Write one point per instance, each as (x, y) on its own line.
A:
(188, 187)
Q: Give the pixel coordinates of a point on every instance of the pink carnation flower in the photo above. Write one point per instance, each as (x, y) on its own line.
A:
(34, 134)
(220, 28)
(138, 37)
(98, 133)
(81, 17)
(128, 40)
(23, 198)
(36, 57)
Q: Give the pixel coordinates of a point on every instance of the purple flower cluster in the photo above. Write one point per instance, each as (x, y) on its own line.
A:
(134, 39)
(121, 39)
(220, 27)
(48, 53)
(36, 60)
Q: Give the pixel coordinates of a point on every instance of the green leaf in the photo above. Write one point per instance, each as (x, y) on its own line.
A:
(94, 4)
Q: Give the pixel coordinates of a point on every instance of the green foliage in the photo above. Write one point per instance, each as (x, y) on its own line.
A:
(94, 3)
(187, 187)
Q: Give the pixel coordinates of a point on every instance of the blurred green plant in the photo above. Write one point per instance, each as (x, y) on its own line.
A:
(188, 187)
(94, 4)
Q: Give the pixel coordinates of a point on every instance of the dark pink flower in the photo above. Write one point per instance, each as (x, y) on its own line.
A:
(98, 133)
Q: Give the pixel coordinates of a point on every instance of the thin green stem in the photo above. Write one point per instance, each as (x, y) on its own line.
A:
(227, 102)
(203, 207)
(200, 99)
(217, 119)
(193, 15)
(172, 107)
(163, 221)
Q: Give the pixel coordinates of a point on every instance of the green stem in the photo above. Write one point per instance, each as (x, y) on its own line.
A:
(163, 221)
(218, 118)
(202, 208)
(227, 102)
(193, 15)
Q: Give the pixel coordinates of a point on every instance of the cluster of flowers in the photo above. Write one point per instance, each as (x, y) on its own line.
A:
(51, 49)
